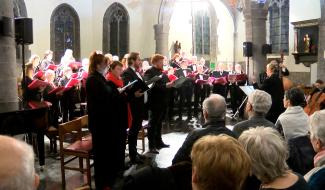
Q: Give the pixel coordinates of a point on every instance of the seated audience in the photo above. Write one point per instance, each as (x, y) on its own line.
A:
(293, 125)
(268, 152)
(219, 162)
(257, 106)
(214, 111)
(17, 165)
(294, 121)
(316, 177)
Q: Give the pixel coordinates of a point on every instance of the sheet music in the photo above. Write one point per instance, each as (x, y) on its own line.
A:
(126, 86)
(248, 90)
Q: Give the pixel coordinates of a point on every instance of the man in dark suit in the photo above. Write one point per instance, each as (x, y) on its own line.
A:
(185, 92)
(136, 101)
(214, 112)
(257, 106)
(157, 103)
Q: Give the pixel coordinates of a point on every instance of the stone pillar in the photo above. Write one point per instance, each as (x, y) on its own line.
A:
(8, 76)
(161, 37)
(321, 44)
(255, 21)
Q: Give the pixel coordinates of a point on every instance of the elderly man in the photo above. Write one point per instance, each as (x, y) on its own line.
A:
(316, 177)
(214, 111)
(258, 104)
(16, 165)
(219, 162)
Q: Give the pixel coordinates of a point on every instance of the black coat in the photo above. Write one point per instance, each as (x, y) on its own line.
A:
(274, 86)
(99, 103)
(158, 95)
(107, 121)
(136, 103)
(118, 109)
(210, 128)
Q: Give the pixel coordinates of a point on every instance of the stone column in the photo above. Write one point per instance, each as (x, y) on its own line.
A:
(8, 76)
(255, 21)
(161, 37)
(321, 44)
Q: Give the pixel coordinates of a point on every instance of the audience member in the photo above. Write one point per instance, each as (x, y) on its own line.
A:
(294, 121)
(268, 152)
(316, 177)
(219, 162)
(214, 111)
(257, 106)
(17, 165)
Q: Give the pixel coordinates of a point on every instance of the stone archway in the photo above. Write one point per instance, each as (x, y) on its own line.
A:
(20, 8)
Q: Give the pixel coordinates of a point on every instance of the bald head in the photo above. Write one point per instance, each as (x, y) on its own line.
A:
(16, 165)
(214, 107)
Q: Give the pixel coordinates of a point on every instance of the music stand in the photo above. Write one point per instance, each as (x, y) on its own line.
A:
(248, 90)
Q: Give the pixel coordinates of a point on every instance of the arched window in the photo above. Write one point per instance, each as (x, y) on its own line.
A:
(116, 30)
(201, 29)
(65, 31)
(279, 25)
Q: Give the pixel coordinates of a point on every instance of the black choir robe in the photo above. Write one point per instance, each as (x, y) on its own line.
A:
(107, 121)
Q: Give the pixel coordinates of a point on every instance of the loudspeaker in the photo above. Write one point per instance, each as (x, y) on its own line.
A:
(248, 49)
(24, 30)
(266, 49)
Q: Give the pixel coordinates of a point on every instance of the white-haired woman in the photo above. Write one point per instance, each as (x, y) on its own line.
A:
(268, 152)
(316, 177)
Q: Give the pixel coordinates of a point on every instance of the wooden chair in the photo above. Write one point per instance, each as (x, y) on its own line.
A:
(80, 148)
(143, 134)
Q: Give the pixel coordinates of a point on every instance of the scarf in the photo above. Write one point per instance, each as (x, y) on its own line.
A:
(119, 83)
(319, 159)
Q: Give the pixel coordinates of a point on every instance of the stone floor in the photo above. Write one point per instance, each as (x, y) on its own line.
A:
(174, 134)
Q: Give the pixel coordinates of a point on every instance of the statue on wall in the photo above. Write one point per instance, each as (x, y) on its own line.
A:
(177, 47)
(307, 43)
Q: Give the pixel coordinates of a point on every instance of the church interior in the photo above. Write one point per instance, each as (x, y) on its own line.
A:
(191, 63)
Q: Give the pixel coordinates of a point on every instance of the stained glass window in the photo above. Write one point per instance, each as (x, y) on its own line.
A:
(65, 32)
(116, 30)
(279, 25)
(201, 30)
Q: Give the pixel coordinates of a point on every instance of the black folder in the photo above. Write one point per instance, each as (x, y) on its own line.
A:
(179, 82)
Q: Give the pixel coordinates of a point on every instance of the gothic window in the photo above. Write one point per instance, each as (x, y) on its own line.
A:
(65, 31)
(279, 25)
(116, 30)
(201, 29)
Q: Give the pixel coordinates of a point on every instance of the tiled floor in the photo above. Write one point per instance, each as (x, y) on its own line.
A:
(174, 134)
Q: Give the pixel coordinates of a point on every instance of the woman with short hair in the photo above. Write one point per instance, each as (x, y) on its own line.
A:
(219, 162)
(268, 152)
